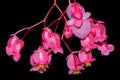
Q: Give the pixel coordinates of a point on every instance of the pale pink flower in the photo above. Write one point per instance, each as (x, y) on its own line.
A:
(88, 43)
(40, 60)
(14, 46)
(74, 64)
(74, 10)
(105, 48)
(100, 32)
(83, 31)
(68, 31)
(86, 57)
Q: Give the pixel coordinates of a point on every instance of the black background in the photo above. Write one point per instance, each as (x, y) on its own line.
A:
(19, 14)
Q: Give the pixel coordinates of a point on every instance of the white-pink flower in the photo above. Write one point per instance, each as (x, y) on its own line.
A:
(14, 46)
(105, 48)
(40, 60)
(74, 64)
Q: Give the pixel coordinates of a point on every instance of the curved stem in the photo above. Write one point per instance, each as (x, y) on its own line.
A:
(60, 11)
(47, 14)
(52, 23)
(29, 28)
(21, 30)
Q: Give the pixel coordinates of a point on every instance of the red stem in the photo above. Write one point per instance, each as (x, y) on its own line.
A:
(47, 15)
(67, 46)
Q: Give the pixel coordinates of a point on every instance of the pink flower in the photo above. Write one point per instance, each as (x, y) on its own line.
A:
(88, 43)
(74, 10)
(40, 60)
(68, 31)
(54, 43)
(100, 32)
(74, 64)
(51, 41)
(14, 46)
(105, 48)
(86, 57)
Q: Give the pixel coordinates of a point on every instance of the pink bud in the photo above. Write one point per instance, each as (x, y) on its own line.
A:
(68, 31)
(46, 34)
(14, 47)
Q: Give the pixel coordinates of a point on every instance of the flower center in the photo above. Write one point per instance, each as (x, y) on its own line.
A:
(76, 72)
(41, 66)
(88, 64)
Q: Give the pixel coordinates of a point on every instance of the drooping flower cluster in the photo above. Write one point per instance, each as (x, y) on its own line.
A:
(92, 35)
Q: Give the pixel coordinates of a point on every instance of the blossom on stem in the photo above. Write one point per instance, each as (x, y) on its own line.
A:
(40, 60)
(74, 64)
(51, 41)
(105, 48)
(100, 32)
(14, 46)
(86, 57)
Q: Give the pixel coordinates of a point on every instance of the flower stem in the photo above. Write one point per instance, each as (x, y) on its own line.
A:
(29, 28)
(67, 46)
(47, 15)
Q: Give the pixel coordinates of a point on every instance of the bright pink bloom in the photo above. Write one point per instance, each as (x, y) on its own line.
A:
(100, 32)
(105, 48)
(68, 31)
(54, 43)
(51, 41)
(74, 64)
(40, 60)
(86, 57)
(88, 43)
(14, 46)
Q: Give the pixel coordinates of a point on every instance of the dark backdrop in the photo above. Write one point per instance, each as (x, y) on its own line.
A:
(18, 14)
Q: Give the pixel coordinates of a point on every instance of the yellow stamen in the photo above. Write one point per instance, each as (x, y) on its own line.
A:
(76, 72)
(88, 64)
(41, 66)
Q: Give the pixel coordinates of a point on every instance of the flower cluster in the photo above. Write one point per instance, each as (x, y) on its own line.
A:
(92, 35)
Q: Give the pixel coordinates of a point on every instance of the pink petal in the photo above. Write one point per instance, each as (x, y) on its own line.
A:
(83, 31)
(77, 23)
(86, 15)
(82, 56)
(16, 57)
(34, 68)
